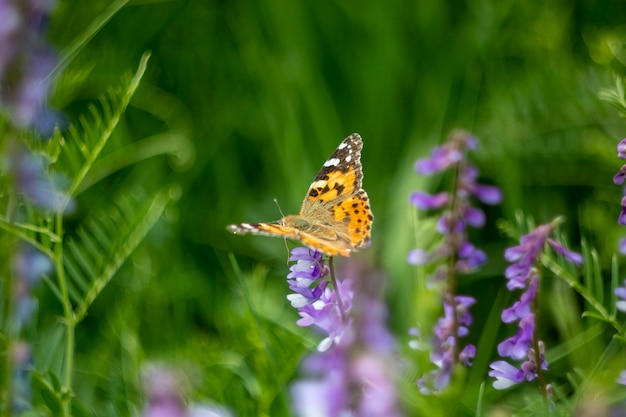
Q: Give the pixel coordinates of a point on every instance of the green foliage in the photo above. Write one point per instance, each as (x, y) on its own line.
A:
(239, 104)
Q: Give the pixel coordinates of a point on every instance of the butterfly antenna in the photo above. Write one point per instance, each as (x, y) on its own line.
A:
(278, 205)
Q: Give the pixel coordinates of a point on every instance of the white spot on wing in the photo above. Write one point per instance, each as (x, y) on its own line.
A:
(348, 158)
(331, 162)
(342, 145)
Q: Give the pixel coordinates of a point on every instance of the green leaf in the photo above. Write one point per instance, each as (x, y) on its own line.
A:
(86, 141)
(44, 390)
(107, 239)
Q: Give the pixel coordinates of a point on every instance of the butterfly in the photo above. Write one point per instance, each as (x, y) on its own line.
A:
(335, 217)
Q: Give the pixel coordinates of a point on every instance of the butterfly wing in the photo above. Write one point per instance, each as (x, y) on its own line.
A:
(336, 200)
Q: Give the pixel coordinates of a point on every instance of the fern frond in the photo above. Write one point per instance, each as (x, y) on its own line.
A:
(85, 142)
(104, 243)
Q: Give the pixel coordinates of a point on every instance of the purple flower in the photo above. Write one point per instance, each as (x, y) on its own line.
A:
(354, 374)
(571, 256)
(440, 159)
(445, 345)
(456, 253)
(506, 374)
(26, 63)
(526, 254)
(523, 274)
(317, 303)
(522, 308)
(426, 201)
(309, 269)
(621, 149)
(453, 222)
(517, 346)
(619, 178)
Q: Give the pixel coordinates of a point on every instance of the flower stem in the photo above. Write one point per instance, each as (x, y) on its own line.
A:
(536, 347)
(68, 314)
(333, 279)
(454, 239)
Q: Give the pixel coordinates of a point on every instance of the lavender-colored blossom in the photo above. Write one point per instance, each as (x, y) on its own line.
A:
(426, 201)
(522, 307)
(26, 63)
(352, 376)
(618, 179)
(522, 274)
(571, 256)
(440, 159)
(444, 345)
(317, 303)
(453, 222)
(526, 254)
(309, 269)
(621, 149)
(458, 214)
(506, 374)
(517, 346)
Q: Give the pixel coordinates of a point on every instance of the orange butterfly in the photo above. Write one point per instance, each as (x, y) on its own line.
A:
(335, 217)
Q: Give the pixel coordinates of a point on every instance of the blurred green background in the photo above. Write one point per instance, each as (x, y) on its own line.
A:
(243, 101)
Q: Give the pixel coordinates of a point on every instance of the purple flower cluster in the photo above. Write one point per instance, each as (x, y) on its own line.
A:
(461, 256)
(460, 213)
(619, 179)
(445, 345)
(26, 62)
(317, 303)
(523, 274)
(350, 374)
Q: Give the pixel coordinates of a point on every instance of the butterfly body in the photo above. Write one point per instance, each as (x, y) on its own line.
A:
(335, 217)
